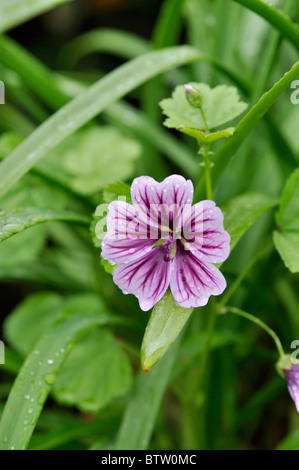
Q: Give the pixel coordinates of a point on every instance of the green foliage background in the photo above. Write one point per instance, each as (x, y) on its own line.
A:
(81, 119)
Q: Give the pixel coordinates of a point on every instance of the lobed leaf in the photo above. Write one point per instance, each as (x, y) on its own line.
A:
(96, 370)
(220, 105)
(37, 375)
(105, 373)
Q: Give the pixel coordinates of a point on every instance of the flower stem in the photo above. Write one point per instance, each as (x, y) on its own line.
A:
(204, 119)
(260, 323)
(207, 163)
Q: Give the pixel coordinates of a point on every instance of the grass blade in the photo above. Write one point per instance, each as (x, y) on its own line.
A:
(223, 156)
(86, 106)
(15, 12)
(110, 41)
(19, 220)
(287, 28)
(141, 413)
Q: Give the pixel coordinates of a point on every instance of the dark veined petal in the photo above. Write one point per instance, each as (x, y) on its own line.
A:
(162, 202)
(127, 237)
(126, 221)
(193, 281)
(147, 278)
(125, 251)
(173, 190)
(204, 232)
(292, 377)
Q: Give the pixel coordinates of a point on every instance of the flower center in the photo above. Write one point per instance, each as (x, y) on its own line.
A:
(169, 248)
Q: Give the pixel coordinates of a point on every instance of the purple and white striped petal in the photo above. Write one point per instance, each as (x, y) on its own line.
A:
(193, 281)
(126, 221)
(163, 212)
(173, 190)
(204, 232)
(162, 203)
(125, 251)
(292, 377)
(147, 278)
(127, 237)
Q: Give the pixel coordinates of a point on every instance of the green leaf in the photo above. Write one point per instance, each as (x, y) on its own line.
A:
(286, 237)
(105, 373)
(243, 211)
(115, 190)
(14, 13)
(41, 311)
(96, 371)
(94, 157)
(22, 248)
(204, 139)
(111, 193)
(87, 105)
(165, 324)
(36, 377)
(20, 219)
(287, 246)
(109, 268)
(220, 105)
(146, 397)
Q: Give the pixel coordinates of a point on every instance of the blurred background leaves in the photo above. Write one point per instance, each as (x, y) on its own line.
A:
(53, 271)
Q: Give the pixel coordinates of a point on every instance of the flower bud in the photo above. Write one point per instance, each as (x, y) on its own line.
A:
(193, 96)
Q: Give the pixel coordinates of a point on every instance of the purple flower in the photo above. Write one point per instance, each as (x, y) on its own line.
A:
(188, 89)
(292, 377)
(161, 240)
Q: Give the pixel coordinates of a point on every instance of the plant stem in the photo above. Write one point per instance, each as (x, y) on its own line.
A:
(206, 155)
(260, 323)
(204, 118)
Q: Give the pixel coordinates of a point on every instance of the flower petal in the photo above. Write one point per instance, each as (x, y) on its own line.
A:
(192, 281)
(173, 190)
(127, 238)
(162, 203)
(292, 377)
(147, 278)
(125, 251)
(126, 221)
(203, 227)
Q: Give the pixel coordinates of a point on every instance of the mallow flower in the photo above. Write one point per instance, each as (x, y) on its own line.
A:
(292, 376)
(161, 240)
